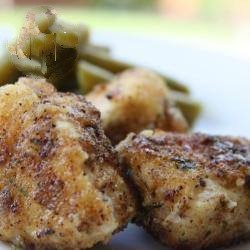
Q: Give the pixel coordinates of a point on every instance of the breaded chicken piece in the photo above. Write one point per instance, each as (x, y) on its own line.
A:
(194, 189)
(135, 100)
(60, 187)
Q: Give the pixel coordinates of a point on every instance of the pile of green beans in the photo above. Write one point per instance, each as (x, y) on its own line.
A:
(63, 54)
(46, 47)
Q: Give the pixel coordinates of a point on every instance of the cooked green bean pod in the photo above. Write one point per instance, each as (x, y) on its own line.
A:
(104, 61)
(8, 72)
(93, 48)
(89, 75)
(190, 108)
(46, 46)
(44, 18)
(175, 85)
(69, 36)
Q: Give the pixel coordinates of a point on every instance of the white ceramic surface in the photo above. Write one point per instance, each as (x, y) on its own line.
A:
(220, 82)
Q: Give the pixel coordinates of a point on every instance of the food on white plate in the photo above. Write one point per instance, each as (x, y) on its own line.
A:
(194, 189)
(135, 100)
(60, 184)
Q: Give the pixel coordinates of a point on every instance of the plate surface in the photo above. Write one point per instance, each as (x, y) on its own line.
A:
(220, 82)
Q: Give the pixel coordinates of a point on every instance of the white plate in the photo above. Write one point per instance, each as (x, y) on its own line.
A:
(221, 82)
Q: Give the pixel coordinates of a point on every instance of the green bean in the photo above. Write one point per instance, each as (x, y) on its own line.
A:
(93, 48)
(8, 72)
(190, 108)
(44, 18)
(59, 68)
(104, 61)
(83, 34)
(38, 45)
(175, 85)
(89, 75)
(25, 65)
(69, 36)
(69, 82)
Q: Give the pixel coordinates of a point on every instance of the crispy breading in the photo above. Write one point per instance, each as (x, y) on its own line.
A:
(136, 99)
(60, 185)
(194, 189)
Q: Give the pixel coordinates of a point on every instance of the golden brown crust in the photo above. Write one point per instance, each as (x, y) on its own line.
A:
(60, 187)
(194, 188)
(136, 99)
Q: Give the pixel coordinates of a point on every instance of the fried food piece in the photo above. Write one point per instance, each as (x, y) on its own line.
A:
(194, 189)
(60, 185)
(90, 75)
(135, 100)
